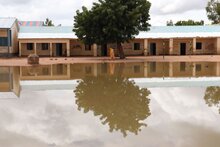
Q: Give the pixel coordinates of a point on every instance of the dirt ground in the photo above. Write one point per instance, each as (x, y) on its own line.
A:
(71, 60)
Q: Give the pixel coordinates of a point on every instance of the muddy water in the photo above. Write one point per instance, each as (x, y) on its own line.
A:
(110, 105)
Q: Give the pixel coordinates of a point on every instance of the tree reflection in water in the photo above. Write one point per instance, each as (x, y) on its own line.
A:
(118, 101)
(212, 96)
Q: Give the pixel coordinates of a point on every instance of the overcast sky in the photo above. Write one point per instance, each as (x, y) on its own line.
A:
(62, 11)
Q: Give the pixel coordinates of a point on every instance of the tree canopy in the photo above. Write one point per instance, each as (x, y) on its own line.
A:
(213, 11)
(112, 21)
(185, 23)
(48, 22)
(212, 96)
(118, 102)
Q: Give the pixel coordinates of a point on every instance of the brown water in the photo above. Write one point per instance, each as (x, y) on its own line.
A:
(110, 105)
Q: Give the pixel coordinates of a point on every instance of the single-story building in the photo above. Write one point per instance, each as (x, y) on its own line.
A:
(8, 36)
(62, 41)
(167, 40)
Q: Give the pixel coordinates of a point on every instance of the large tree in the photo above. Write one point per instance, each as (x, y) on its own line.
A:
(117, 101)
(213, 11)
(112, 21)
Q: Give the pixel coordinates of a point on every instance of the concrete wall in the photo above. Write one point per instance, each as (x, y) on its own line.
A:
(160, 48)
(208, 46)
(78, 49)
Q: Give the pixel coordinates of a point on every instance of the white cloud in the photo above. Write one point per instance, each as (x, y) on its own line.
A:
(62, 12)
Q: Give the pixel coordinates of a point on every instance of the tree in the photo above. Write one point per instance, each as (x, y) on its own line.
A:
(116, 100)
(213, 11)
(112, 21)
(48, 22)
(185, 23)
(170, 23)
(212, 96)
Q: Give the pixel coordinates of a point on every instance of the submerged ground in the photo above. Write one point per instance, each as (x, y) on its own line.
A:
(110, 105)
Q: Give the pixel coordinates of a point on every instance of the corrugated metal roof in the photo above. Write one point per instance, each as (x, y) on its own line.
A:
(154, 32)
(44, 32)
(6, 23)
(31, 23)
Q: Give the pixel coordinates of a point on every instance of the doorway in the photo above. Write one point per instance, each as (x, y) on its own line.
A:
(59, 50)
(104, 50)
(153, 47)
(182, 48)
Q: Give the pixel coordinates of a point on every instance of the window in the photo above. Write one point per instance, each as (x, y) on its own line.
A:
(137, 46)
(44, 46)
(182, 66)
(198, 67)
(30, 46)
(198, 45)
(88, 69)
(137, 69)
(88, 47)
(152, 66)
(45, 71)
(3, 41)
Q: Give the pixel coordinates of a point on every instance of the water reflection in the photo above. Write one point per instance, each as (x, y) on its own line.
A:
(9, 82)
(118, 102)
(212, 96)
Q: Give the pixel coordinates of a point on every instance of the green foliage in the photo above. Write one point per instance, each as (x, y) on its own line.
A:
(185, 23)
(213, 11)
(112, 21)
(116, 100)
(48, 22)
(212, 96)
(170, 23)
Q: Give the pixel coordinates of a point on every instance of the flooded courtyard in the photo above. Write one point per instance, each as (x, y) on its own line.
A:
(143, 104)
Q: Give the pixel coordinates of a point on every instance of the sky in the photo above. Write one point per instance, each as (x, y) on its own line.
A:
(63, 11)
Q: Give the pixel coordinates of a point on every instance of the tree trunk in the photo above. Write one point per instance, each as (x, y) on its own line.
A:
(120, 51)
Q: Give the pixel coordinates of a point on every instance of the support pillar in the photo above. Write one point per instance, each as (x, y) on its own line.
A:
(145, 69)
(218, 69)
(171, 46)
(68, 48)
(95, 69)
(145, 47)
(35, 48)
(194, 45)
(68, 70)
(170, 69)
(218, 46)
(95, 50)
(19, 49)
(194, 69)
(51, 49)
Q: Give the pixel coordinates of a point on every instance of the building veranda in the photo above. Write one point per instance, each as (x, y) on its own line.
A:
(60, 41)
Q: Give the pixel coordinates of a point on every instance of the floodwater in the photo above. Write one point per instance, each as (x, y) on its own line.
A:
(111, 105)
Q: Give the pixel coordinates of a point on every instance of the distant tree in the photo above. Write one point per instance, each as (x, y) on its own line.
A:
(117, 101)
(213, 11)
(212, 96)
(48, 22)
(170, 23)
(112, 21)
(189, 23)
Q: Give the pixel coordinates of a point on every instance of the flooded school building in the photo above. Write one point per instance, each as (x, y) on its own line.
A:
(22, 38)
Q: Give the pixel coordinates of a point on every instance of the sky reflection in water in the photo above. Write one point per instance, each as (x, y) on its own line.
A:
(166, 117)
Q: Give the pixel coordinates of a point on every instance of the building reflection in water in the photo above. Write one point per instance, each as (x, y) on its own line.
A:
(116, 100)
(212, 96)
(9, 82)
(129, 70)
